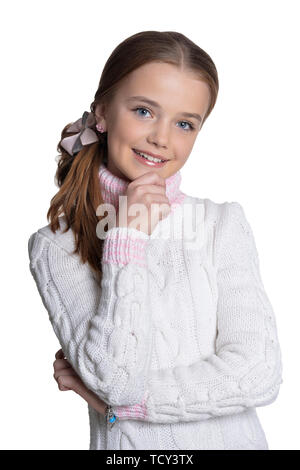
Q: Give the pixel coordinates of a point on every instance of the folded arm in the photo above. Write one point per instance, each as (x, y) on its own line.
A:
(98, 328)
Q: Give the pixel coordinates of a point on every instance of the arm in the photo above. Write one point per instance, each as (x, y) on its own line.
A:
(98, 333)
(245, 370)
(67, 379)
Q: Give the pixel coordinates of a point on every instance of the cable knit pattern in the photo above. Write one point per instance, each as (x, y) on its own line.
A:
(181, 340)
(99, 342)
(245, 370)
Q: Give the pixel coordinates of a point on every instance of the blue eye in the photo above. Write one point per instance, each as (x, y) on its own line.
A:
(137, 109)
(191, 127)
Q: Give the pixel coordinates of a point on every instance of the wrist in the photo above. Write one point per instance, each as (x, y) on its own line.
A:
(123, 245)
(110, 417)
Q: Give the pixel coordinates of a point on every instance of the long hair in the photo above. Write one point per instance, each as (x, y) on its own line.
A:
(77, 176)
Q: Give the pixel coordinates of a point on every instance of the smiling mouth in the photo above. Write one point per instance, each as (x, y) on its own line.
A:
(151, 158)
(147, 162)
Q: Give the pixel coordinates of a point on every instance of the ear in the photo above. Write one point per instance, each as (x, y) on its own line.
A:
(100, 111)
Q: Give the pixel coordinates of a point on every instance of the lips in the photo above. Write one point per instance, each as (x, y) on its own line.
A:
(146, 162)
(151, 154)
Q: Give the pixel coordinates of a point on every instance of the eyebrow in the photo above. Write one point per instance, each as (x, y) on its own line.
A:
(153, 103)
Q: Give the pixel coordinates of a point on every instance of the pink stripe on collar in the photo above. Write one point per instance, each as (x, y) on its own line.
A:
(113, 186)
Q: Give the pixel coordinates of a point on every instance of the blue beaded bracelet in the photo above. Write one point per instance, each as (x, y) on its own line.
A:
(110, 417)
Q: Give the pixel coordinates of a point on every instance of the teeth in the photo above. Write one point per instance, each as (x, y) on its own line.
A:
(148, 157)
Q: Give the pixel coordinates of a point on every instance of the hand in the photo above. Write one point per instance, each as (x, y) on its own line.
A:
(147, 189)
(68, 379)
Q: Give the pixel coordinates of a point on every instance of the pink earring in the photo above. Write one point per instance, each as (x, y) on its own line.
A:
(100, 128)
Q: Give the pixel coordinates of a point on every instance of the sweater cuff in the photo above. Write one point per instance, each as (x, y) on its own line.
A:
(123, 245)
(138, 411)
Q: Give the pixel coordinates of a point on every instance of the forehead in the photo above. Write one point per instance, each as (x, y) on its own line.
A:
(168, 85)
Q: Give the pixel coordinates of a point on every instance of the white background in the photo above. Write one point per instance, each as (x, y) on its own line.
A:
(247, 151)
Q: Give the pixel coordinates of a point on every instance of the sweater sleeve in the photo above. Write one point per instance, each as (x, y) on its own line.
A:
(246, 369)
(98, 328)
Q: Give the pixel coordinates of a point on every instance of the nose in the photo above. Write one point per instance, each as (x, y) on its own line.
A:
(159, 135)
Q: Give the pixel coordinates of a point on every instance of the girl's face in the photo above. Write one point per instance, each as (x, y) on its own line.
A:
(162, 127)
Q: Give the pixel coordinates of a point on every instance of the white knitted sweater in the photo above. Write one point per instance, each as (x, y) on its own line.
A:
(180, 338)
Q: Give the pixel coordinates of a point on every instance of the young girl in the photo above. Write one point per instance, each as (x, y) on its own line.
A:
(155, 296)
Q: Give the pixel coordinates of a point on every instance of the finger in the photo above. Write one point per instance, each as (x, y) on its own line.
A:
(61, 364)
(157, 199)
(73, 383)
(151, 188)
(148, 178)
(59, 354)
(62, 386)
(64, 372)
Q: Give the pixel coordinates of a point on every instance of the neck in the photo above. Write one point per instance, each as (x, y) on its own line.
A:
(113, 186)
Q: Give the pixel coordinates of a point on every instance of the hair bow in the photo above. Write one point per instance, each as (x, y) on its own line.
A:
(84, 134)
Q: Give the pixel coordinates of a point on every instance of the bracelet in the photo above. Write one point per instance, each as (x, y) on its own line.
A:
(110, 417)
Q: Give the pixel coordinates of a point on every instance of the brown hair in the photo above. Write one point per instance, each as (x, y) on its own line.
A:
(77, 176)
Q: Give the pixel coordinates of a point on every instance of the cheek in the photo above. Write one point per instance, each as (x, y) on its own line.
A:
(128, 131)
(182, 146)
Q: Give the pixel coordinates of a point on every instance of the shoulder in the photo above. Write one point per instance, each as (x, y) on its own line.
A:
(53, 253)
(227, 228)
(231, 233)
(44, 239)
(217, 213)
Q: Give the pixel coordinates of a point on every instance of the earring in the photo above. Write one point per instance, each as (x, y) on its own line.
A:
(100, 128)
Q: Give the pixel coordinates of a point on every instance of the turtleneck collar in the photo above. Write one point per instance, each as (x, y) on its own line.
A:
(113, 186)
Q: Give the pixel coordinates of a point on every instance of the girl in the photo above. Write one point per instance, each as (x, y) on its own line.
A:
(166, 330)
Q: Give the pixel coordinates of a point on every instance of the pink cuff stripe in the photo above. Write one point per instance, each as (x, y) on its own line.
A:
(123, 245)
(138, 411)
